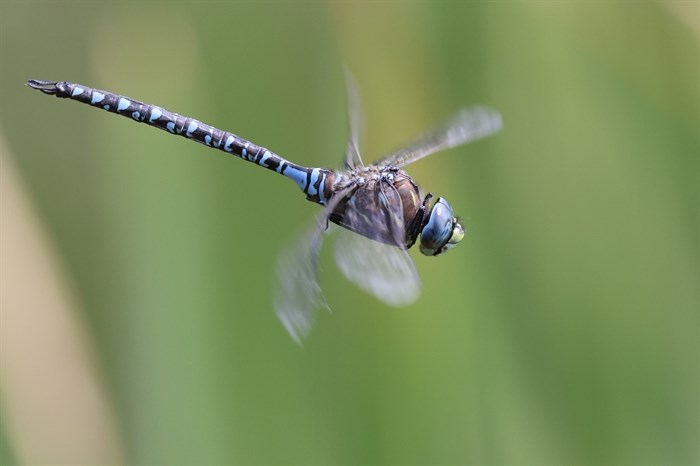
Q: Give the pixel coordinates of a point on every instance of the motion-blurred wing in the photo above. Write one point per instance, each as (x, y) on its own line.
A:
(385, 271)
(352, 153)
(297, 294)
(467, 125)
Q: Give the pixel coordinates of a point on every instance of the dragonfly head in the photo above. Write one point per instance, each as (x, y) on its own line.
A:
(441, 231)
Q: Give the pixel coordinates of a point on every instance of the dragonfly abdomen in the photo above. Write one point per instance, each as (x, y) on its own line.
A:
(314, 182)
(163, 119)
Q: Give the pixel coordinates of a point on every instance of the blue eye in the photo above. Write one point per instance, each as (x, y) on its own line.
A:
(442, 231)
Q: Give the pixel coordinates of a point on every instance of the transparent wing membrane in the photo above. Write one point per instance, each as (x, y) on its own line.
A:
(465, 126)
(384, 271)
(297, 293)
(352, 153)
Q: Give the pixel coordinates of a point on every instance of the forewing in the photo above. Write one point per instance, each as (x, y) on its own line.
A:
(352, 153)
(385, 271)
(465, 126)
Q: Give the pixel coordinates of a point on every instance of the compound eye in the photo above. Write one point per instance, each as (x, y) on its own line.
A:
(457, 235)
(442, 231)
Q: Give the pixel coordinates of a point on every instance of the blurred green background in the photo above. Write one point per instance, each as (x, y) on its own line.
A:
(565, 328)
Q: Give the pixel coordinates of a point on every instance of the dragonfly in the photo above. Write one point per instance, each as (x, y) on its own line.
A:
(381, 210)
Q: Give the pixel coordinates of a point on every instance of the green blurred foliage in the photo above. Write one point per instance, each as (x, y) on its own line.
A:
(563, 330)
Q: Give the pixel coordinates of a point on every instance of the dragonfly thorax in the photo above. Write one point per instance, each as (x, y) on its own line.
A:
(381, 203)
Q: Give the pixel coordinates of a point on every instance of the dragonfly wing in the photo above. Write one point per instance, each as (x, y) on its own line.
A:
(385, 271)
(465, 126)
(376, 259)
(297, 293)
(352, 153)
